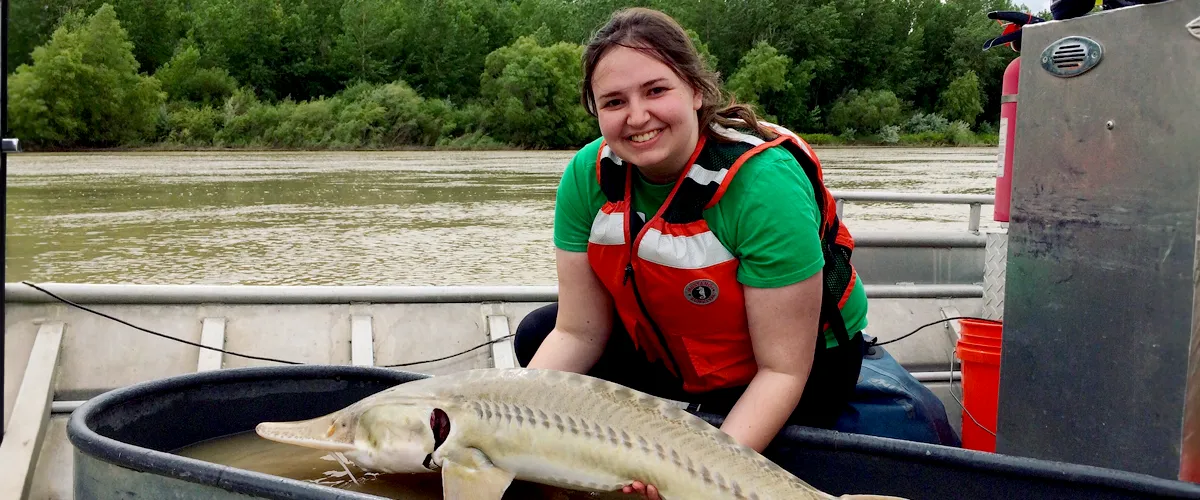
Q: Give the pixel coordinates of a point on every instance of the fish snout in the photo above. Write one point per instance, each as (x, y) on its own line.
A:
(322, 433)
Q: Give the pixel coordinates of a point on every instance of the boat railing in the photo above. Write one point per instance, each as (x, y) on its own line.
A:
(99, 293)
(976, 201)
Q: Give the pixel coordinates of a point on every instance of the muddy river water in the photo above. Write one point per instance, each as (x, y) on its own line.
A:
(363, 218)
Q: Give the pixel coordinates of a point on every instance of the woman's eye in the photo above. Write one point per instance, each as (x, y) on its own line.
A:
(657, 90)
(611, 103)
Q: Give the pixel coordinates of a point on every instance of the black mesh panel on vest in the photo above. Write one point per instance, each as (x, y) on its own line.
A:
(691, 198)
(837, 270)
(612, 180)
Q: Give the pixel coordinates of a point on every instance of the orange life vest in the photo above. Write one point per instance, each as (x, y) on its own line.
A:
(675, 285)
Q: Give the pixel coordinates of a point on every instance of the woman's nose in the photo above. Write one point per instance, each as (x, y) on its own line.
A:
(638, 113)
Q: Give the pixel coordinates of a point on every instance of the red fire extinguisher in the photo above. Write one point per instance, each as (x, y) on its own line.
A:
(1008, 135)
(1011, 36)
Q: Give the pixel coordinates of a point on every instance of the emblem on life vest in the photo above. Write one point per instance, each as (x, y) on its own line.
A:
(700, 292)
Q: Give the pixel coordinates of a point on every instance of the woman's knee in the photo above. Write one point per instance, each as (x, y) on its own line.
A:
(532, 330)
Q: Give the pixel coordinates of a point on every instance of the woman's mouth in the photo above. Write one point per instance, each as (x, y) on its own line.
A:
(645, 136)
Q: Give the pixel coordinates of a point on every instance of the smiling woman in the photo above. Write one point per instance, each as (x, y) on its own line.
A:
(646, 111)
(699, 254)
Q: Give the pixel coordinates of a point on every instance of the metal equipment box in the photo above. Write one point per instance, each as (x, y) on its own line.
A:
(1101, 306)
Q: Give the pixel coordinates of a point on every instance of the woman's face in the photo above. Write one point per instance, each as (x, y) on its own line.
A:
(646, 112)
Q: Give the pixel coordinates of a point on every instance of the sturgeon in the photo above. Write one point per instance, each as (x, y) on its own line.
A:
(483, 428)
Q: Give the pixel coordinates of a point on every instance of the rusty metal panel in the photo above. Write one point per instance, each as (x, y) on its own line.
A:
(1100, 290)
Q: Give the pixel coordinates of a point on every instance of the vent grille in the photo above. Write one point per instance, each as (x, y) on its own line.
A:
(1071, 56)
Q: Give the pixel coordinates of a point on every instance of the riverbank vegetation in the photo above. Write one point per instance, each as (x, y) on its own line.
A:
(476, 74)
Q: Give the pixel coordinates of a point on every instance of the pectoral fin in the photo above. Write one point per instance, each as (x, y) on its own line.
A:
(469, 475)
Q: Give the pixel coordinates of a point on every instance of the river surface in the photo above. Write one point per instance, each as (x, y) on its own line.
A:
(364, 218)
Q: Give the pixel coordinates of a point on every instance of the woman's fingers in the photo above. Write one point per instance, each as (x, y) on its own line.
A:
(638, 487)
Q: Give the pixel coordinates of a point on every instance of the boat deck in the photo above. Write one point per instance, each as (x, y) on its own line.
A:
(912, 279)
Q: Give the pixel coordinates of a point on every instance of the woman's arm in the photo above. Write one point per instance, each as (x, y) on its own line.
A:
(783, 331)
(584, 318)
(777, 316)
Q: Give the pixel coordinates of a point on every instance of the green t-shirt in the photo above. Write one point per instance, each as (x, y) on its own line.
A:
(767, 218)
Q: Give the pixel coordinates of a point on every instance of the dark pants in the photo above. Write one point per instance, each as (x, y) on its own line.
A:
(826, 394)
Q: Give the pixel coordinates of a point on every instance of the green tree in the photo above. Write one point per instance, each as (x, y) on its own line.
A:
(83, 88)
(189, 79)
(532, 95)
(372, 35)
(449, 41)
(706, 55)
(763, 69)
(962, 100)
(31, 22)
(280, 48)
(153, 27)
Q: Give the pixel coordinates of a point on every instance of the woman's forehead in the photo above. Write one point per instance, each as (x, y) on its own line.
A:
(623, 68)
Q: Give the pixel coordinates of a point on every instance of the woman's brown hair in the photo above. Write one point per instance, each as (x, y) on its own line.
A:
(661, 37)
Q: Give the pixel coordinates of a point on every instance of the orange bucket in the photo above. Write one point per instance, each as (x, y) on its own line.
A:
(979, 351)
(973, 344)
(993, 343)
(981, 328)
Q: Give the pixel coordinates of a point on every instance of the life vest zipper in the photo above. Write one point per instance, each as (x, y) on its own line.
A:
(662, 339)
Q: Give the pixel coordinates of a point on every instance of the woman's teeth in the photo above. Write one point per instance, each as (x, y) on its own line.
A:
(644, 137)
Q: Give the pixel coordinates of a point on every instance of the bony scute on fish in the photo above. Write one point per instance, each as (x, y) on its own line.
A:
(481, 429)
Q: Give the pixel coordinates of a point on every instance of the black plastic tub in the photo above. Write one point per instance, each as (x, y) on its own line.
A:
(122, 441)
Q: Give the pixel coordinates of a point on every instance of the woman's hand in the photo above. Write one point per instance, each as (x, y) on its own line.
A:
(640, 488)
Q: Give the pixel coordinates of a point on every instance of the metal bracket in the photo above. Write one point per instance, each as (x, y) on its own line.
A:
(212, 334)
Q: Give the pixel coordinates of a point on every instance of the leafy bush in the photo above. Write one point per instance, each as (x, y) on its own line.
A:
(889, 134)
(473, 140)
(822, 139)
(925, 122)
(868, 111)
(959, 134)
(192, 126)
(186, 78)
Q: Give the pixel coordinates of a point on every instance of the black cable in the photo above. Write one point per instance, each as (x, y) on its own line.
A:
(231, 353)
(485, 344)
(126, 323)
(875, 342)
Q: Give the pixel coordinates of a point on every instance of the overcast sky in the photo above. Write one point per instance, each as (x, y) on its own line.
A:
(1035, 6)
